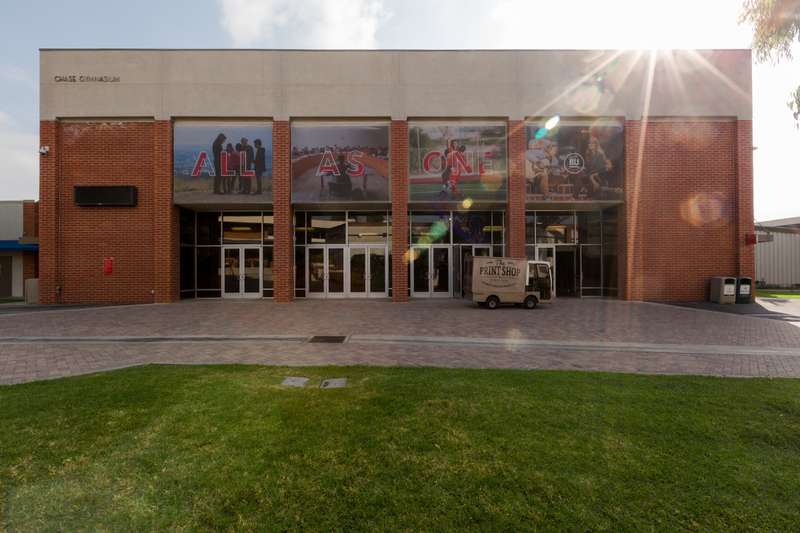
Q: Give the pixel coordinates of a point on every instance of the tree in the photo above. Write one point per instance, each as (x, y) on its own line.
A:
(776, 26)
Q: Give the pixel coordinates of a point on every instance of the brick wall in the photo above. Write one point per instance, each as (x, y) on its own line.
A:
(745, 224)
(283, 267)
(48, 212)
(515, 213)
(399, 172)
(166, 221)
(101, 153)
(680, 223)
(30, 219)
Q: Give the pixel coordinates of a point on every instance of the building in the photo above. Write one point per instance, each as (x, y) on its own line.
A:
(778, 253)
(374, 173)
(19, 247)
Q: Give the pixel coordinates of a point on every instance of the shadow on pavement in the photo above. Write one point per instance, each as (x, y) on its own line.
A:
(774, 308)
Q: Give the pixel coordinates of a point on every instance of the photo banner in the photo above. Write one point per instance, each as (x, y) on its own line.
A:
(572, 161)
(457, 162)
(222, 162)
(341, 162)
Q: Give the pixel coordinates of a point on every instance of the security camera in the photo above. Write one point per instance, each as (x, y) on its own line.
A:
(44, 150)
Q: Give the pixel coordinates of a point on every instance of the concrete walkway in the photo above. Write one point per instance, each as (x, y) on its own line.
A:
(604, 335)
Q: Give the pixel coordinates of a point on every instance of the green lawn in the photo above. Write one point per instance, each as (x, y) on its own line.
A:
(167, 447)
(777, 293)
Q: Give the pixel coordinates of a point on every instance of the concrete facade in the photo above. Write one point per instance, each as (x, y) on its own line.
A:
(283, 84)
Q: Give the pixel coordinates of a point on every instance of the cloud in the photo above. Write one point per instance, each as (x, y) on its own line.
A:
(303, 23)
(19, 175)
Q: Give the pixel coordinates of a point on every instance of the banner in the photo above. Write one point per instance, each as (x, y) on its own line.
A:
(457, 162)
(572, 161)
(340, 163)
(222, 162)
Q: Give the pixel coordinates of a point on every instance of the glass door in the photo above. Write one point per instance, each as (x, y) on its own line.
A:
(335, 272)
(315, 270)
(440, 271)
(420, 271)
(377, 272)
(231, 272)
(358, 272)
(548, 253)
(241, 272)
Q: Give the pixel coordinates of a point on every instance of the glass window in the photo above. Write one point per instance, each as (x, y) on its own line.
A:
(208, 268)
(554, 227)
(300, 228)
(266, 266)
(427, 228)
(268, 228)
(610, 247)
(591, 270)
(299, 267)
(589, 227)
(326, 228)
(208, 228)
(473, 228)
(530, 252)
(241, 227)
(530, 228)
(497, 251)
(187, 268)
(367, 227)
(498, 227)
(187, 227)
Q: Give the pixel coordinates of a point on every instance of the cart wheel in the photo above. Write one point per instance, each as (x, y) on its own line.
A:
(530, 302)
(492, 302)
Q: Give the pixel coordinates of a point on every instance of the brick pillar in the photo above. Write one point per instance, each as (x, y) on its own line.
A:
(744, 204)
(49, 177)
(631, 232)
(515, 213)
(166, 258)
(282, 211)
(399, 175)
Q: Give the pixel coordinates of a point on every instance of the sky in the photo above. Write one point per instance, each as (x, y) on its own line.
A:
(428, 24)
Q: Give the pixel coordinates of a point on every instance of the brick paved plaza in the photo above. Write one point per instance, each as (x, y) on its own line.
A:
(604, 335)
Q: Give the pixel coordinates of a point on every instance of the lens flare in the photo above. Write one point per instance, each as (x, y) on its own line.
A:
(466, 203)
(705, 209)
(552, 122)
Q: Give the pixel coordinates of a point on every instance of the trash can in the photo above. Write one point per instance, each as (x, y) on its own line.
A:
(744, 290)
(723, 290)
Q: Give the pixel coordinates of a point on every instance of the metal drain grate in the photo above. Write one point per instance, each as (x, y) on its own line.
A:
(332, 339)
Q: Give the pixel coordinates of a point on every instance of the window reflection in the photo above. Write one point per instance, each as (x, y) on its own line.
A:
(241, 227)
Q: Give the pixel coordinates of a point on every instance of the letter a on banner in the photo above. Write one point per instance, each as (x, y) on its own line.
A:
(202, 164)
(327, 165)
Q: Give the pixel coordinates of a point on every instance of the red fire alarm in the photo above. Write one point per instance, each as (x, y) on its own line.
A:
(108, 265)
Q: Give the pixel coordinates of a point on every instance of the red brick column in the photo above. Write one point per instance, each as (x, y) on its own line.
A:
(630, 232)
(399, 174)
(166, 259)
(49, 176)
(282, 211)
(744, 186)
(515, 234)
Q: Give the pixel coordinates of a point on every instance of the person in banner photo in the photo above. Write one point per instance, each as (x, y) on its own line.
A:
(571, 163)
(463, 161)
(332, 163)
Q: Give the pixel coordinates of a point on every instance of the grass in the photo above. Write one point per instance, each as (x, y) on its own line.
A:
(777, 293)
(226, 447)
